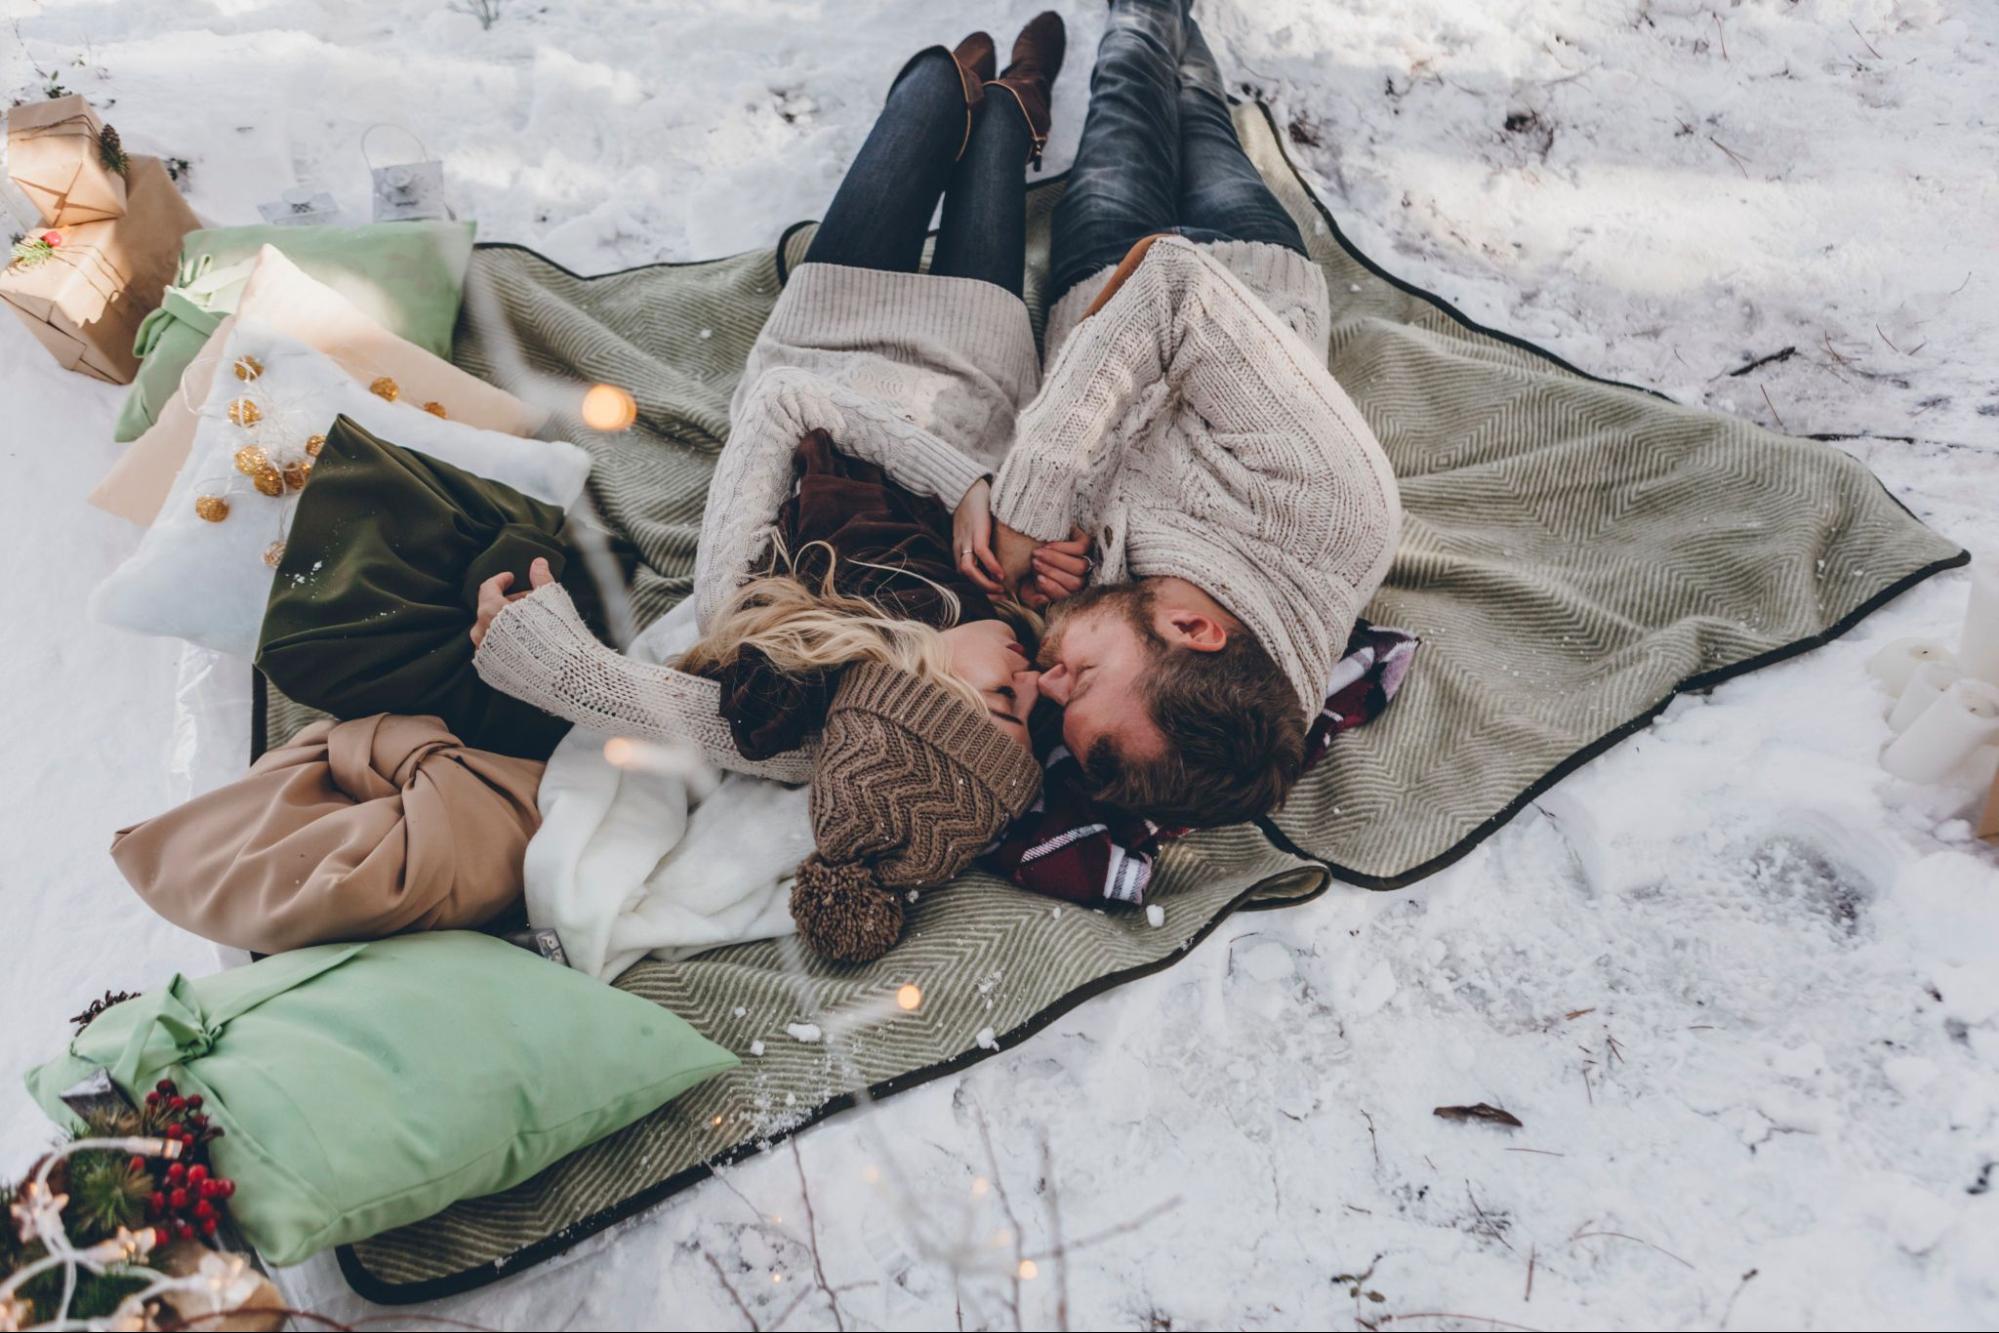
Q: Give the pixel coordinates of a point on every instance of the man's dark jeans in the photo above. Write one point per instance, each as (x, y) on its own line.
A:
(1159, 151)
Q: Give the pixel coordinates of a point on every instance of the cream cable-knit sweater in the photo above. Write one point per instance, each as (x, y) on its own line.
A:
(1191, 427)
(919, 375)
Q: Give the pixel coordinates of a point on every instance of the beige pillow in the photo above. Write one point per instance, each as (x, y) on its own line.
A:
(281, 297)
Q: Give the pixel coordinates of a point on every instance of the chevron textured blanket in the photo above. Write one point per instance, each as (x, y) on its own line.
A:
(1575, 552)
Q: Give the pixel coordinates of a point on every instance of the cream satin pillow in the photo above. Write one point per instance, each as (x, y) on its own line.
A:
(285, 300)
(203, 570)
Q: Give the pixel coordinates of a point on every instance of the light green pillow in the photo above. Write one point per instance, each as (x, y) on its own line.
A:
(363, 1087)
(408, 276)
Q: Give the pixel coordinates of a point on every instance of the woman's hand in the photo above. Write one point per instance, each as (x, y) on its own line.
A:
(1060, 570)
(493, 596)
(972, 539)
(1016, 559)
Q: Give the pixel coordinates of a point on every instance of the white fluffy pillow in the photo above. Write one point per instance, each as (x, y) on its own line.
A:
(207, 581)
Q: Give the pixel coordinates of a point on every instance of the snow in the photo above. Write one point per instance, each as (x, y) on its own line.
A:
(1741, 987)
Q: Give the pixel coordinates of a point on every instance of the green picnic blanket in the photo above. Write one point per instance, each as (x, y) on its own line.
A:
(1575, 552)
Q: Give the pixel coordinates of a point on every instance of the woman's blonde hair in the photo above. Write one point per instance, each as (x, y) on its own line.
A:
(803, 630)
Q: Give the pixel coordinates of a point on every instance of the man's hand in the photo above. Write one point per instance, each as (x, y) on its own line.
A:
(972, 539)
(1060, 570)
(493, 596)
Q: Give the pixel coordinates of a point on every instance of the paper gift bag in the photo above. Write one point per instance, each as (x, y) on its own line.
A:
(53, 158)
(85, 302)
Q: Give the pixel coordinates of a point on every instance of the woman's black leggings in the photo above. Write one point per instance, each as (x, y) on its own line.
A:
(881, 214)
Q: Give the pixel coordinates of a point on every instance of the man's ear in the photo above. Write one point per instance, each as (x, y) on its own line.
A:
(1191, 629)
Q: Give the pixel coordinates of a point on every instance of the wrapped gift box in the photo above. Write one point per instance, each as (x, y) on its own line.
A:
(53, 160)
(85, 302)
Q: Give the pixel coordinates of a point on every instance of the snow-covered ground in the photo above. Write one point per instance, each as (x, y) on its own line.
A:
(1741, 987)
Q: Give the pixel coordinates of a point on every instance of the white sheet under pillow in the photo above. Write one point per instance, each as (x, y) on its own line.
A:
(207, 582)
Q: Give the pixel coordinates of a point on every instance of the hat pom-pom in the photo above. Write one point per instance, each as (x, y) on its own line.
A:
(844, 911)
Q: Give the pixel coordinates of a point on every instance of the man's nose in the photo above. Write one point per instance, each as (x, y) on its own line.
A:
(1054, 684)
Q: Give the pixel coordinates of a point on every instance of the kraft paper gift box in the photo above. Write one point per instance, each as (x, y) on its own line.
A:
(53, 160)
(85, 302)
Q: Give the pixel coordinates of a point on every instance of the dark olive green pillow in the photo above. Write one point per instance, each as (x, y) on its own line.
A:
(373, 604)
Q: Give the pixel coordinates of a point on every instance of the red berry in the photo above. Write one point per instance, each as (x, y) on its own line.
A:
(177, 1200)
(196, 1174)
(170, 1133)
(176, 1171)
(228, 1188)
(161, 1236)
(204, 1210)
(176, 1103)
(156, 1203)
(165, 1087)
(208, 1227)
(137, 1163)
(52, 239)
(152, 1099)
(195, 1100)
(199, 1121)
(210, 1190)
(185, 1230)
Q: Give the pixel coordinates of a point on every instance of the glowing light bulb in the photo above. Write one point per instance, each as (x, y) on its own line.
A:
(909, 996)
(608, 408)
(979, 1187)
(1027, 1270)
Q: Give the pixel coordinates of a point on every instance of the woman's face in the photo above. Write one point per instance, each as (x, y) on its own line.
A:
(988, 654)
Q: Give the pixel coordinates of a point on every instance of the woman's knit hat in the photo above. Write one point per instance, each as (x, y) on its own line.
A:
(909, 786)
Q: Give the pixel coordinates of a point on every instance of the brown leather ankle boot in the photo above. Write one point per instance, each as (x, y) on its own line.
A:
(1030, 76)
(975, 60)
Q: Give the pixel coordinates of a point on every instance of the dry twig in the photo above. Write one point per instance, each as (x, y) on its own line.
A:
(1619, 1235)
(1006, 1206)
(1780, 426)
(1733, 156)
(729, 1287)
(812, 1233)
(1863, 40)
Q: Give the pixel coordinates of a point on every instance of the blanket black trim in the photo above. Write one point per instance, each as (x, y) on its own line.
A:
(374, 1289)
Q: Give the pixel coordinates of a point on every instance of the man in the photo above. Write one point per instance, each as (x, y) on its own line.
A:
(1241, 511)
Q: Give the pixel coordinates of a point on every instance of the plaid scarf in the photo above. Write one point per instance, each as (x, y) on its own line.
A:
(1070, 847)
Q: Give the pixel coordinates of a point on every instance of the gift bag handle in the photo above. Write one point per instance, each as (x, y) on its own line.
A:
(422, 153)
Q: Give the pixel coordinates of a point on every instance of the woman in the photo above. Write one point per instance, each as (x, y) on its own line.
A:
(875, 403)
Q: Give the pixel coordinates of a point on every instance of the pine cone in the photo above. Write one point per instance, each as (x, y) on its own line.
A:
(111, 151)
(844, 912)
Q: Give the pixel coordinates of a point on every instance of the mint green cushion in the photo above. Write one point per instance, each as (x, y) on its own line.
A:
(408, 275)
(362, 1087)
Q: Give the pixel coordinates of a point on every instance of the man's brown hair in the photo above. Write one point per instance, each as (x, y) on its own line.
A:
(1234, 732)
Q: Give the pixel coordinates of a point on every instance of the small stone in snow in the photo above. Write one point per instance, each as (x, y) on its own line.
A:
(1155, 915)
(987, 1040)
(741, 1012)
(805, 1032)
(756, 1048)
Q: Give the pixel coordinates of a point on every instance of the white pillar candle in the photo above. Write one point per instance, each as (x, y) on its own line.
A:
(1978, 644)
(1964, 717)
(1897, 661)
(1930, 680)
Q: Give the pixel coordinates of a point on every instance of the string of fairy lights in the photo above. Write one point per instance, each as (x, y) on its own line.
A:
(220, 1282)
